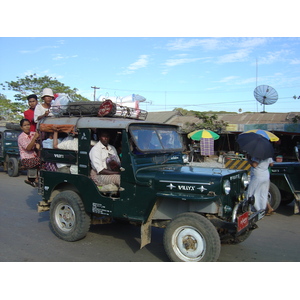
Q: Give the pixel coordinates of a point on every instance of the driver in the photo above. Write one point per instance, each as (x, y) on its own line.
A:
(105, 161)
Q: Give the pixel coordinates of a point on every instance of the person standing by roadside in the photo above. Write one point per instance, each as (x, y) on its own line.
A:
(260, 183)
(29, 114)
(43, 109)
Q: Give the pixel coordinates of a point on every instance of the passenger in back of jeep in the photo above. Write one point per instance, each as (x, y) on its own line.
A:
(68, 143)
(105, 161)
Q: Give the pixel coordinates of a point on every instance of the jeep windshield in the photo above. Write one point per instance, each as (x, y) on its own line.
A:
(11, 135)
(149, 139)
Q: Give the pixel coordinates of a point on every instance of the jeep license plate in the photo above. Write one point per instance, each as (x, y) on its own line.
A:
(242, 221)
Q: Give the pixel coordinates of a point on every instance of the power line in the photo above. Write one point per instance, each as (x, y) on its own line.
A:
(214, 103)
(188, 92)
(178, 92)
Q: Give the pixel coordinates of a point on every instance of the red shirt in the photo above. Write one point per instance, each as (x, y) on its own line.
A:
(29, 114)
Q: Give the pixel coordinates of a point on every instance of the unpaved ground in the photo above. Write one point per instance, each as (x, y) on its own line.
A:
(26, 235)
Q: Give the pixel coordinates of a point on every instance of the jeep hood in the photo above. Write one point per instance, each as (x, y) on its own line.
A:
(185, 171)
(185, 175)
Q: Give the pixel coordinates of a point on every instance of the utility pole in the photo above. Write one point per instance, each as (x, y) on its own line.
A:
(95, 88)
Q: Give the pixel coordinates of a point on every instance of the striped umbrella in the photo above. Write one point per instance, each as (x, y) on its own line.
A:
(197, 135)
(267, 134)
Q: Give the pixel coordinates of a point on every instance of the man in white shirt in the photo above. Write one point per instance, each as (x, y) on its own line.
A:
(102, 157)
(43, 109)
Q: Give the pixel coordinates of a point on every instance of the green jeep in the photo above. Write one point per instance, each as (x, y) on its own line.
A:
(9, 150)
(286, 176)
(198, 207)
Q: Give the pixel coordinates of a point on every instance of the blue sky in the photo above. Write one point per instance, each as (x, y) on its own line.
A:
(176, 59)
(195, 73)
(198, 56)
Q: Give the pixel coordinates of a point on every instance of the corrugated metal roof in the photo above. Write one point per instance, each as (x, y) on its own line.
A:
(243, 118)
(255, 118)
(160, 116)
(237, 122)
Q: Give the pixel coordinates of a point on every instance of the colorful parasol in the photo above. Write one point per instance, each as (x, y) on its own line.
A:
(197, 135)
(255, 145)
(267, 134)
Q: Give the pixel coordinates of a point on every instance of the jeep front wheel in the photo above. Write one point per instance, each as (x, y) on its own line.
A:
(68, 218)
(191, 237)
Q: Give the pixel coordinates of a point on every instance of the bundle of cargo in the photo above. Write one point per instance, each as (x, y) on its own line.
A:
(13, 126)
(105, 108)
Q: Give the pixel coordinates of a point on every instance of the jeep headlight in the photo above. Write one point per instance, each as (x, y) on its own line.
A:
(226, 187)
(245, 181)
(185, 158)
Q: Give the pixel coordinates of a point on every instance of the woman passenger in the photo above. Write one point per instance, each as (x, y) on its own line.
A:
(28, 146)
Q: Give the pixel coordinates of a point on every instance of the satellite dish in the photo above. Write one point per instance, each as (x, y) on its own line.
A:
(265, 95)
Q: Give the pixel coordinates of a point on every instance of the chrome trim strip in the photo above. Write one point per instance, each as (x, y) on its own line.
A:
(185, 182)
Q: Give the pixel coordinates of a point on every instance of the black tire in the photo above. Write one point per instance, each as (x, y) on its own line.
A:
(5, 163)
(68, 218)
(241, 238)
(13, 167)
(191, 237)
(274, 196)
(286, 197)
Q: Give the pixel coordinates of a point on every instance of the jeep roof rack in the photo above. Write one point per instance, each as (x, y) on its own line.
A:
(105, 108)
(94, 122)
(13, 126)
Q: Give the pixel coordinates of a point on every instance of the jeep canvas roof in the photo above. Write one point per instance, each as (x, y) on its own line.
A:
(95, 122)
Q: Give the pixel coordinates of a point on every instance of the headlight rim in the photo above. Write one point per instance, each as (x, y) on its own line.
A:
(226, 187)
(245, 180)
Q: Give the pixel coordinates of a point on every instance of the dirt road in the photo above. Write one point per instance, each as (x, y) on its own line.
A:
(26, 236)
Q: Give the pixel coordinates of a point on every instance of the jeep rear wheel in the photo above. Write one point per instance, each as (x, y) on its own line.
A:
(191, 237)
(68, 218)
(12, 167)
(274, 196)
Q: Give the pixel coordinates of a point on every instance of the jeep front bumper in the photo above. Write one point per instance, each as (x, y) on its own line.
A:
(244, 222)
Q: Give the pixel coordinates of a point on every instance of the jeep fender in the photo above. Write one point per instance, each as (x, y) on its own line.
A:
(146, 227)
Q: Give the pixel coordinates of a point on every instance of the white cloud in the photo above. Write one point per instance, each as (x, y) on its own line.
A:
(179, 61)
(228, 78)
(214, 88)
(61, 42)
(273, 57)
(142, 62)
(252, 42)
(37, 49)
(238, 56)
(185, 44)
(59, 56)
(216, 43)
(295, 61)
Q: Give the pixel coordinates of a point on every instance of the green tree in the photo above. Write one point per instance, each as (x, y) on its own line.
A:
(11, 111)
(32, 84)
(206, 121)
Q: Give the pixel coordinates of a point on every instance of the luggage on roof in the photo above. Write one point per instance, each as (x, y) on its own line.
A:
(106, 108)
